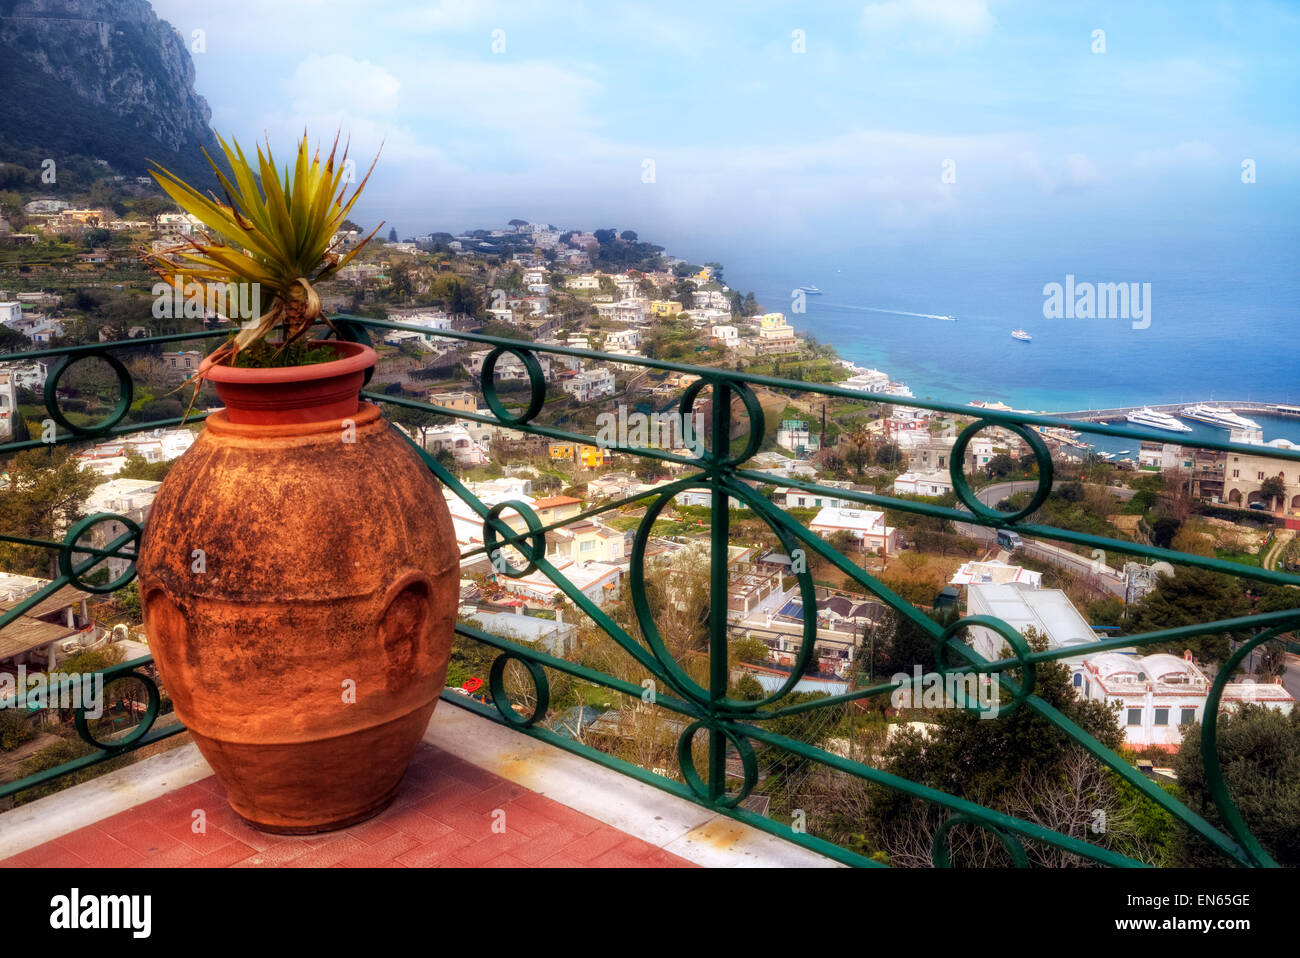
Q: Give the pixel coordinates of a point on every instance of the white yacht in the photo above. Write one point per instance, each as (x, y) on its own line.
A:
(1146, 416)
(1021, 335)
(1219, 416)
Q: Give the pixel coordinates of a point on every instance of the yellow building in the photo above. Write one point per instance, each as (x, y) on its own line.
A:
(588, 457)
(557, 508)
(593, 457)
(460, 401)
(705, 274)
(664, 307)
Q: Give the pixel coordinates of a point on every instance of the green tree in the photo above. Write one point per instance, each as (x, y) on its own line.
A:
(1001, 465)
(1259, 751)
(138, 467)
(1272, 489)
(1020, 763)
(1190, 597)
(46, 492)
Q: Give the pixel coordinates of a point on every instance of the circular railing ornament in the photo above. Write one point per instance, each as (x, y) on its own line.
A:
(723, 389)
(146, 722)
(939, 851)
(687, 686)
(68, 568)
(956, 469)
(1019, 648)
(531, 543)
(536, 384)
(686, 761)
(126, 391)
(501, 699)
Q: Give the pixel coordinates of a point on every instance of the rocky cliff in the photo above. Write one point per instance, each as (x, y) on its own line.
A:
(104, 79)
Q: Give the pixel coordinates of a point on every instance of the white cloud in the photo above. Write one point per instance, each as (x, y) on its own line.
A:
(1071, 173)
(343, 84)
(1189, 154)
(927, 24)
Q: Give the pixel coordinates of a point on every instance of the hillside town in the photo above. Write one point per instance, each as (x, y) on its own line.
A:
(604, 301)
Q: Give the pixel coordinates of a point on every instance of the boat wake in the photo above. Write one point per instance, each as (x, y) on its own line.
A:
(892, 312)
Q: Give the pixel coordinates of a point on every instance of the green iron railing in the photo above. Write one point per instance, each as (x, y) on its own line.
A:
(731, 725)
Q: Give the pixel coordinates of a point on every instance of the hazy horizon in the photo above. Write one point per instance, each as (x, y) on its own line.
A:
(756, 146)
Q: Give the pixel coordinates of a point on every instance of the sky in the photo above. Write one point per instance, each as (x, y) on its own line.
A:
(1001, 124)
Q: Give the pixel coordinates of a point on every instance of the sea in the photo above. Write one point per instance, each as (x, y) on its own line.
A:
(1221, 328)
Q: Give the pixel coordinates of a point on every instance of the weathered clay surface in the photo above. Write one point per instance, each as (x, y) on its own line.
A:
(307, 654)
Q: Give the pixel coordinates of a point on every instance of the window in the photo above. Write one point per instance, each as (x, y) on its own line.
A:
(1134, 716)
(1162, 717)
(1236, 473)
(1260, 474)
(1078, 679)
(1188, 716)
(586, 546)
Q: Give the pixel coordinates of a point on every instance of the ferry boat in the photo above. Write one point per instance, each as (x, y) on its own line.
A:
(1146, 416)
(1021, 335)
(1219, 416)
(810, 290)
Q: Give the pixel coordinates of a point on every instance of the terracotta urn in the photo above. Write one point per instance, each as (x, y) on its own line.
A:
(299, 576)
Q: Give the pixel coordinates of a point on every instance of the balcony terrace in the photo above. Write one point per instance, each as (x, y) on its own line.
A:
(567, 800)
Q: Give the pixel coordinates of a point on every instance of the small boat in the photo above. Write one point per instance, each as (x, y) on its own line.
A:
(950, 319)
(810, 290)
(1146, 416)
(1123, 452)
(1021, 335)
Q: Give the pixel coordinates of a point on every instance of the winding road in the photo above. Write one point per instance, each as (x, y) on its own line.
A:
(990, 495)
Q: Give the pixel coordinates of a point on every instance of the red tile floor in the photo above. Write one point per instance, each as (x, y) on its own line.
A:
(441, 818)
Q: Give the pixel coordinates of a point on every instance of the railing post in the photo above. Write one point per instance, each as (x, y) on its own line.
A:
(720, 534)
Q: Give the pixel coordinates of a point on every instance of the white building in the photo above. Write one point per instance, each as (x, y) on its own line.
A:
(501, 489)
(132, 498)
(596, 580)
(923, 484)
(457, 440)
(1021, 605)
(799, 499)
(729, 336)
(865, 525)
(30, 375)
(1160, 693)
(8, 405)
(158, 445)
(508, 366)
(972, 573)
(624, 311)
(865, 380)
(795, 435)
(623, 339)
(1165, 456)
(591, 384)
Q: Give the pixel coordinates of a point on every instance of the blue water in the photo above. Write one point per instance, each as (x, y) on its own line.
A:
(1222, 325)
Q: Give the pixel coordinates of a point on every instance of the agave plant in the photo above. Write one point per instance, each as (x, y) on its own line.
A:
(278, 236)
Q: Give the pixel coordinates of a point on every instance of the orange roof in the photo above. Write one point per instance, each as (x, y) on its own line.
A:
(556, 501)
